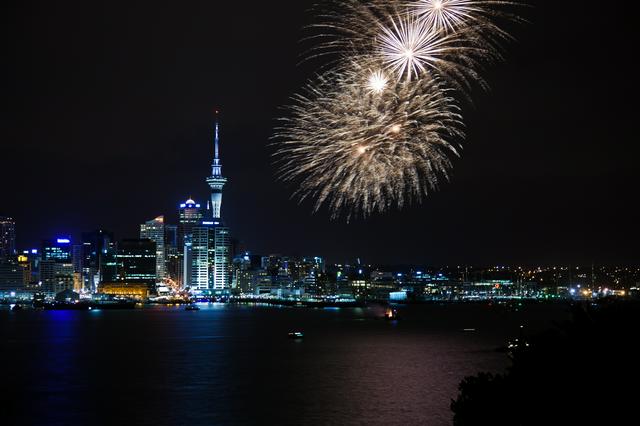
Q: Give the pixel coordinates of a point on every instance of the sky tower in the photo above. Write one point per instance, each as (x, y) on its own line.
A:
(216, 181)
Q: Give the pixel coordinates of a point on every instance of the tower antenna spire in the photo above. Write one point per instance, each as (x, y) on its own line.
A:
(216, 181)
(217, 138)
(217, 165)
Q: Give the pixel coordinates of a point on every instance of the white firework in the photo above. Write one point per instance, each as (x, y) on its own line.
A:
(411, 49)
(447, 15)
(377, 82)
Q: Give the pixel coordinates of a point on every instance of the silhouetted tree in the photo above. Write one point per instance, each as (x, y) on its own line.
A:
(583, 371)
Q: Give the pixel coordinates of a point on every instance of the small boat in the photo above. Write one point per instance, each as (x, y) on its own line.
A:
(192, 308)
(391, 314)
(296, 335)
(16, 307)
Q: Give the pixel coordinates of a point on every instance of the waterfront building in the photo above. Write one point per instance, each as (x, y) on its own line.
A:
(7, 237)
(137, 262)
(190, 215)
(202, 247)
(154, 230)
(11, 276)
(76, 257)
(243, 280)
(133, 290)
(170, 236)
(210, 254)
(98, 258)
(241, 271)
(56, 266)
(29, 260)
(261, 282)
(56, 276)
(173, 255)
(26, 263)
(222, 259)
(58, 250)
(109, 264)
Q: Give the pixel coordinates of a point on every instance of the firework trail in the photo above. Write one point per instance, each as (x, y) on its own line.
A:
(378, 127)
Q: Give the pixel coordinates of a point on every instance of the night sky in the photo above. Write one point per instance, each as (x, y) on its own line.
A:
(107, 122)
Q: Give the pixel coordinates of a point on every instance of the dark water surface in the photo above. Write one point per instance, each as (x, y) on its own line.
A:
(235, 365)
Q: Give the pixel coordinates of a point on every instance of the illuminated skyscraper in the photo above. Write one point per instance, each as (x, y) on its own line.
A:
(191, 215)
(58, 250)
(222, 259)
(137, 260)
(56, 267)
(173, 254)
(211, 254)
(154, 230)
(202, 250)
(7, 237)
(98, 258)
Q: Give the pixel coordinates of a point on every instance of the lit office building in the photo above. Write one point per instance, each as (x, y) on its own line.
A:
(98, 258)
(154, 230)
(241, 272)
(29, 260)
(190, 215)
(137, 261)
(173, 255)
(222, 259)
(211, 254)
(26, 263)
(11, 276)
(136, 266)
(76, 257)
(202, 250)
(56, 266)
(7, 237)
(58, 250)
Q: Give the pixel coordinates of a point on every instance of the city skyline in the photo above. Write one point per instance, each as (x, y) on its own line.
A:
(551, 193)
(318, 212)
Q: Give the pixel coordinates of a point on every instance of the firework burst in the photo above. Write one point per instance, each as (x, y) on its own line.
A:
(410, 48)
(448, 16)
(360, 149)
(379, 125)
(399, 32)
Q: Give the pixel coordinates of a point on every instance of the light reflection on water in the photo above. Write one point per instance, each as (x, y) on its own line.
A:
(235, 364)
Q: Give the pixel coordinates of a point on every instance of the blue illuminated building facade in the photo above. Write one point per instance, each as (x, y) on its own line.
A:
(59, 250)
(56, 266)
